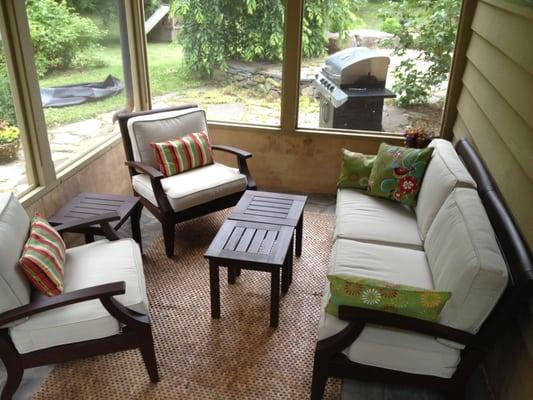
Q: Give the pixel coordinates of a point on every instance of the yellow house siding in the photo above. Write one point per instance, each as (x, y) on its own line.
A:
(495, 107)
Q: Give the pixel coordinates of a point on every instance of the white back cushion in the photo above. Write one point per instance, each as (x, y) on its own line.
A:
(154, 128)
(444, 173)
(14, 229)
(465, 259)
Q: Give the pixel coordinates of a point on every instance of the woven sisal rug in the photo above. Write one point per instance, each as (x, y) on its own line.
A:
(236, 357)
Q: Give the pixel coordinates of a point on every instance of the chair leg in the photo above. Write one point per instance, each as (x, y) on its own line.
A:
(320, 378)
(169, 235)
(14, 368)
(148, 354)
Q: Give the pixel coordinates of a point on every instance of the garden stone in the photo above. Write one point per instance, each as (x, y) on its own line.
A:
(274, 94)
(259, 78)
(371, 38)
(261, 89)
(219, 75)
(272, 83)
(222, 111)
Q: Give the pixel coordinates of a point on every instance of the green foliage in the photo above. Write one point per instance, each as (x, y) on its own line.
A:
(7, 110)
(220, 30)
(59, 35)
(392, 25)
(150, 6)
(428, 27)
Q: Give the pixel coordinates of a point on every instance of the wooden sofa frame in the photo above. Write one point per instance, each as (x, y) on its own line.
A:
(330, 361)
(136, 331)
(163, 211)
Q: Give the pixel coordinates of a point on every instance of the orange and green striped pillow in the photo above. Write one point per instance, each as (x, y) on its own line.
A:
(183, 154)
(43, 257)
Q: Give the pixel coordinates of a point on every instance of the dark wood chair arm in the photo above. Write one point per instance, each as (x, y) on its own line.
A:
(78, 296)
(242, 156)
(349, 313)
(155, 179)
(98, 220)
(233, 150)
(102, 220)
(152, 172)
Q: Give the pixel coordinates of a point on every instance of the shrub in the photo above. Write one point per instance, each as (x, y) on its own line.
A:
(7, 110)
(220, 30)
(392, 25)
(429, 27)
(59, 34)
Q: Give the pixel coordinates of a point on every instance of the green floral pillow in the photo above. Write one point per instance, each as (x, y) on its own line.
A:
(355, 169)
(397, 173)
(383, 296)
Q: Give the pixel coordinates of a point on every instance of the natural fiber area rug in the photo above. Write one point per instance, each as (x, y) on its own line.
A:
(236, 357)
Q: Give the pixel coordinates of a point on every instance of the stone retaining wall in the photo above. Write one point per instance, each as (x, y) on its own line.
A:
(264, 79)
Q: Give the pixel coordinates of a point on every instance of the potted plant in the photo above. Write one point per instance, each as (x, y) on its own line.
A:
(417, 137)
(9, 141)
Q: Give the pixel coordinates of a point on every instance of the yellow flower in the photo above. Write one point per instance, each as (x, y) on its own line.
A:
(353, 289)
(431, 300)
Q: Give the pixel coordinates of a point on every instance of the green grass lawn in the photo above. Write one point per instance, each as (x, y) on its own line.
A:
(166, 75)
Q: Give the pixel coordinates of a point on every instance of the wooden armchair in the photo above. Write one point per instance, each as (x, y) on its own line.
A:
(189, 194)
(102, 310)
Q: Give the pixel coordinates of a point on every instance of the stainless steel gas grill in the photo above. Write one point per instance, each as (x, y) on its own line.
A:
(351, 89)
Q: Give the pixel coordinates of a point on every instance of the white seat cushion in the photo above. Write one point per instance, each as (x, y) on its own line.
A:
(14, 228)
(444, 173)
(194, 187)
(465, 259)
(155, 128)
(374, 220)
(382, 347)
(89, 265)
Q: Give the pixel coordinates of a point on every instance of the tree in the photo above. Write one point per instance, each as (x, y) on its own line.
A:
(217, 31)
(428, 27)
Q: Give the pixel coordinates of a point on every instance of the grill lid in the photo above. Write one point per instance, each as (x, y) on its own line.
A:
(350, 65)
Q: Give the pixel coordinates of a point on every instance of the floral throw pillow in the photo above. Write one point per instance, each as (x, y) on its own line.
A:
(355, 169)
(398, 172)
(384, 296)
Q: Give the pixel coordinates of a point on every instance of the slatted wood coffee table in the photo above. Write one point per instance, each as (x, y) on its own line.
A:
(253, 246)
(273, 208)
(88, 205)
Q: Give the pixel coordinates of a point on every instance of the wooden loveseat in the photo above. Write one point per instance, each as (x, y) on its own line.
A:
(460, 238)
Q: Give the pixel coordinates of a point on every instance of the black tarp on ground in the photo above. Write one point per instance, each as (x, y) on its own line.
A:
(70, 95)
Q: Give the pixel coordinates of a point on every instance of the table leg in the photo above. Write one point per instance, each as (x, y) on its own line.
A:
(290, 263)
(214, 289)
(274, 297)
(299, 235)
(232, 275)
(285, 274)
(89, 237)
(136, 225)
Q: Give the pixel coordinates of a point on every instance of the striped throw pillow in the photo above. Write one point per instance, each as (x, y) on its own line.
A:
(183, 154)
(43, 257)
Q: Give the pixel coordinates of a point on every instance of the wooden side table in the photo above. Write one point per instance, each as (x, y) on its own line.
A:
(87, 205)
(273, 208)
(254, 246)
